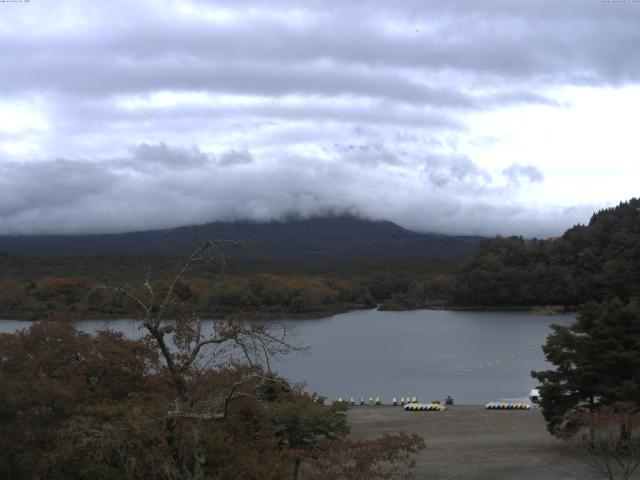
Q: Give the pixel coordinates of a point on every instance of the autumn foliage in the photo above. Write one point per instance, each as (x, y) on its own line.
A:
(80, 406)
(263, 295)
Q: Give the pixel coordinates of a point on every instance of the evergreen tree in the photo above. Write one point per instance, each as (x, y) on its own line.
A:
(597, 363)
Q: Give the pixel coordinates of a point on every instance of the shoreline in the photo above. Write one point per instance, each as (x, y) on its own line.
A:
(270, 316)
(249, 316)
(536, 309)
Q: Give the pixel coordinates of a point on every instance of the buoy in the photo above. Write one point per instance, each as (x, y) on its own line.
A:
(402, 402)
(378, 401)
(414, 400)
(370, 402)
(395, 402)
(352, 402)
(361, 401)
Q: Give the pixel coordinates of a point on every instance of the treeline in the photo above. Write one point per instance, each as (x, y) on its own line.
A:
(254, 296)
(592, 262)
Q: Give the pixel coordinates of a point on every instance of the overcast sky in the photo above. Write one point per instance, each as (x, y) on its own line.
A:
(467, 117)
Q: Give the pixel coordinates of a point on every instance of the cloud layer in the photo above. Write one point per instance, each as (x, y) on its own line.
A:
(157, 186)
(131, 115)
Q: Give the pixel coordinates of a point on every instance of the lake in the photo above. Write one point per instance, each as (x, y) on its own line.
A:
(473, 356)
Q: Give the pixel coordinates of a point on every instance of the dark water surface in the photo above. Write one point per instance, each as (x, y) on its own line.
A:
(473, 356)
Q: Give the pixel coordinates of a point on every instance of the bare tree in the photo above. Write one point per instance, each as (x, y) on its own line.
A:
(609, 437)
(190, 348)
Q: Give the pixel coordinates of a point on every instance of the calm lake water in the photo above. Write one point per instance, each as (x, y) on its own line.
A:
(473, 356)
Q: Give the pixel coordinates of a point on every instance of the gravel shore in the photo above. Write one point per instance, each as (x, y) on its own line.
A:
(470, 442)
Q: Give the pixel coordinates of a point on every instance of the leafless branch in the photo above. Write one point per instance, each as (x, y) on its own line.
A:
(610, 439)
(196, 350)
(201, 255)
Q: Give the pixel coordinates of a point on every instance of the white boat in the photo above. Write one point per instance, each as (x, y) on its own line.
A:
(534, 395)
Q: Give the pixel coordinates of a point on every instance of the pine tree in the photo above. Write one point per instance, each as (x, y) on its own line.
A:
(597, 362)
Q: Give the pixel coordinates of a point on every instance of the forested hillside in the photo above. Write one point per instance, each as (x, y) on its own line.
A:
(349, 263)
(298, 267)
(321, 239)
(588, 262)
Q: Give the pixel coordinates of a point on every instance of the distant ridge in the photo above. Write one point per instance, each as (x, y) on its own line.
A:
(322, 238)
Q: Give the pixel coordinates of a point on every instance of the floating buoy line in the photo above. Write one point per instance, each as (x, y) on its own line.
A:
(497, 362)
(410, 403)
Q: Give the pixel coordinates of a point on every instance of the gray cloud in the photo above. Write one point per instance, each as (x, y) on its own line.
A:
(150, 158)
(331, 48)
(236, 158)
(334, 52)
(459, 172)
(189, 186)
(42, 187)
(517, 173)
(261, 109)
(369, 154)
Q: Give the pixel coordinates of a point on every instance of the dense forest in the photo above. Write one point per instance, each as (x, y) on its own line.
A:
(310, 267)
(260, 296)
(376, 263)
(588, 262)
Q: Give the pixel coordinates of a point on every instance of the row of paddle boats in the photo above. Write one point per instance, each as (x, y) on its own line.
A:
(508, 406)
(415, 405)
(425, 407)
